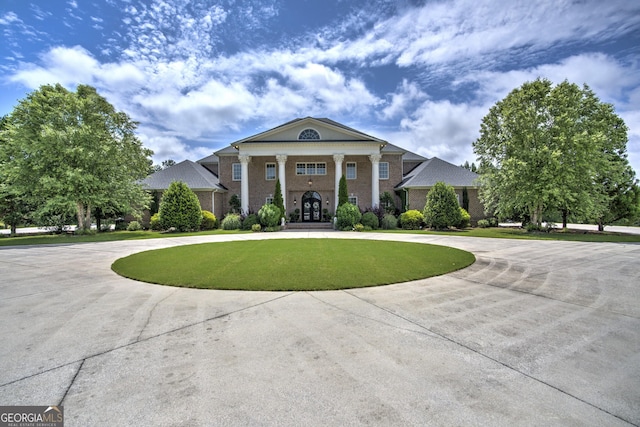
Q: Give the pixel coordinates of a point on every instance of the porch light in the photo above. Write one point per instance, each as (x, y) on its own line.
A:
(310, 182)
(294, 200)
(327, 201)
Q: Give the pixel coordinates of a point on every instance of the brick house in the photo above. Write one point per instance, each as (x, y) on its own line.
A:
(309, 156)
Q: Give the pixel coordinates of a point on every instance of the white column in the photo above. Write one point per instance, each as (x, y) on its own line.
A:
(244, 184)
(375, 179)
(282, 159)
(338, 159)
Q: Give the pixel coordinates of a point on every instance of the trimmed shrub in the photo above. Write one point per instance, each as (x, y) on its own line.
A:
(389, 222)
(209, 221)
(348, 216)
(256, 227)
(250, 221)
(180, 208)
(269, 215)
(359, 227)
(231, 222)
(483, 223)
(134, 226)
(465, 219)
(370, 219)
(154, 222)
(411, 219)
(442, 209)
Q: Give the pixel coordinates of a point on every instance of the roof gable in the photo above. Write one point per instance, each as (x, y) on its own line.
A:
(196, 176)
(434, 170)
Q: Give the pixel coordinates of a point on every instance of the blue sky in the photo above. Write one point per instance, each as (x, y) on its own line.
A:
(201, 74)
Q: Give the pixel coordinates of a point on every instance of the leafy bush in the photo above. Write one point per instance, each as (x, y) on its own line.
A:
(180, 208)
(256, 227)
(493, 222)
(411, 219)
(231, 222)
(442, 209)
(370, 219)
(269, 215)
(348, 215)
(234, 204)
(154, 222)
(209, 221)
(134, 226)
(250, 221)
(483, 223)
(386, 200)
(389, 222)
(358, 227)
(465, 219)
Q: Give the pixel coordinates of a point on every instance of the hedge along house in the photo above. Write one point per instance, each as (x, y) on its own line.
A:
(309, 156)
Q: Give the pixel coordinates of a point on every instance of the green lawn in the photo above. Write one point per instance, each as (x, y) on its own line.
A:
(292, 264)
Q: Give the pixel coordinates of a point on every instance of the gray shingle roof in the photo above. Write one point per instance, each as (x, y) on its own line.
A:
(435, 170)
(196, 176)
(209, 159)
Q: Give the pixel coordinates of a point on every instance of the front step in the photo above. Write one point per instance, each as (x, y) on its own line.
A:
(309, 226)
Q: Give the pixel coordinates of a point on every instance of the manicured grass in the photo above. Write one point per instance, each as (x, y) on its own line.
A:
(518, 233)
(110, 236)
(292, 264)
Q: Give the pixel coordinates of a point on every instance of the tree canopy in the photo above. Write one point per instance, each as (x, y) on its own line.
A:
(69, 152)
(547, 148)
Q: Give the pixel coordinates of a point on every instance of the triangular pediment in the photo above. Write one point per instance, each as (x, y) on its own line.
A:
(326, 130)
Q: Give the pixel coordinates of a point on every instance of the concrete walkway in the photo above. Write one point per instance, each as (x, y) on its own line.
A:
(534, 333)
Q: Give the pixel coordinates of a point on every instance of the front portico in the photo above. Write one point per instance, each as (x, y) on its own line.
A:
(307, 156)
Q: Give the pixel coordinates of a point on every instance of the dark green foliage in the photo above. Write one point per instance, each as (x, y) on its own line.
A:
(269, 215)
(209, 221)
(277, 199)
(370, 219)
(348, 216)
(387, 203)
(441, 210)
(465, 199)
(180, 208)
(250, 221)
(234, 204)
(389, 222)
(231, 222)
(411, 219)
(343, 194)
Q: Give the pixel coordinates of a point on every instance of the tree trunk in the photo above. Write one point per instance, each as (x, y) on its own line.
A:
(84, 216)
(14, 229)
(600, 226)
(565, 214)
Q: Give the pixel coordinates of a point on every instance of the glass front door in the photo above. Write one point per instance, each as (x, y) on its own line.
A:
(311, 206)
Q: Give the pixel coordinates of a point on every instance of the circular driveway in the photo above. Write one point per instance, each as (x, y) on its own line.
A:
(533, 333)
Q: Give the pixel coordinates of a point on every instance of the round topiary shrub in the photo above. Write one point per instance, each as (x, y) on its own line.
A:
(411, 219)
(483, 223)
(209, 221)
(389, 222)
(348, 216)
(180, 208)
(250, 221)
(370, 219)
(256, 227)
(154, 222)
(134, 226)
(465, 219)
(269, 215)
(231, 222)
(442, 209)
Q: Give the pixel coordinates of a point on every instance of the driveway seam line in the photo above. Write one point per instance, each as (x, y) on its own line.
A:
(445, 337)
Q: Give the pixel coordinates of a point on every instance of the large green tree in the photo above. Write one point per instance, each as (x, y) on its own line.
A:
(547, 148)
(72, 152)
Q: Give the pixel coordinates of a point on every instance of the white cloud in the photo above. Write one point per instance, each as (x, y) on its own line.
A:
(402, 100)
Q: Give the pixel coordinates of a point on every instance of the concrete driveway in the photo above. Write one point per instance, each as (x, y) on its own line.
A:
(534, 333)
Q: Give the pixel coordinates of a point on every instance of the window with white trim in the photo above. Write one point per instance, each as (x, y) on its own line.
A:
(383, 170)
(352, 170)
(311, 168)
(270, 171)
(269, 200)
(309, 134)
(236, 170)
(353, 200)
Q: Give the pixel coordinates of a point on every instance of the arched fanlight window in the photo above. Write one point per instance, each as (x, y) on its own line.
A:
(309, 134)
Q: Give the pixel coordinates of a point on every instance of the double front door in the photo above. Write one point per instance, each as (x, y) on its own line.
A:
(311, 206)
